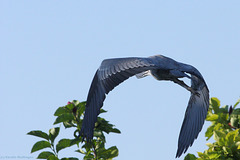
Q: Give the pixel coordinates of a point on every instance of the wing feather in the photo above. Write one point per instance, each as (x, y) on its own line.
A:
(194, 119)
(111, 73)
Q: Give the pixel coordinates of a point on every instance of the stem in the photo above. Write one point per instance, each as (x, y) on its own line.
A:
(94, 151)
(53, 149)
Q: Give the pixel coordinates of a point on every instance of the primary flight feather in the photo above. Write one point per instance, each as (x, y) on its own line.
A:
(112, 72)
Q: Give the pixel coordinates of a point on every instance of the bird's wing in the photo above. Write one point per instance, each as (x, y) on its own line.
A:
(143, 74)
(110, 74)
(194, 117)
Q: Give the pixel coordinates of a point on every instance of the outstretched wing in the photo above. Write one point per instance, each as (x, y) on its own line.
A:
(110, 74)
(195, 115)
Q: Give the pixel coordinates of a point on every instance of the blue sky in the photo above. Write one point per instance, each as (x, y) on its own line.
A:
(50, 50)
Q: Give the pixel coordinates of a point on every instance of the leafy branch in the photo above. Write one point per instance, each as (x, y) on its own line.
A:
(71, 116)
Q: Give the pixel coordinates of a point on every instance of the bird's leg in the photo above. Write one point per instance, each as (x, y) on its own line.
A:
(181, 83)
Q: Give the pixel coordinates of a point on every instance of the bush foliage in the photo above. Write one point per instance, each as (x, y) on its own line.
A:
(71, 116)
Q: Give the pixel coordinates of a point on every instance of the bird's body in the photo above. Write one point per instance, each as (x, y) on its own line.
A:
(114, 71)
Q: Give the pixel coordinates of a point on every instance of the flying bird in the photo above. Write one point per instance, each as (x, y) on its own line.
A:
(112, 72)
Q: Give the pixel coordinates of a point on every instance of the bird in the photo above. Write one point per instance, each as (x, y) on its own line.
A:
(114, 71)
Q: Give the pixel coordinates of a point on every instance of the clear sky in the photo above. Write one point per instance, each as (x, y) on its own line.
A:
(50, 50)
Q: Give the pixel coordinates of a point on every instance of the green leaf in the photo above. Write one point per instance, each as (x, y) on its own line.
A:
(209, 145)
(81, 151)
(109, 153)
(225, 109)
(215, 103)
(82, 104)
(223, 117)
(64, 117)
(212, 117)
(217, 135)
(88, 157)
(52, 157)
(234, 118)
(60, 111)
(213, 155)
(69, 124)
(98, 134)
(44, 155)
(105, 126)
(88, 145)
(217, 148)
(235, 105)
(53, 133)
(70, 106)
(227, 150)
(76, 141)
(113, 152)
(81, 108)
(217, 126)
(102, 111)
(70, 158)
(40, 145)
(190, 157)
(230, 137)
(39, 133)
(209, 132)
(75, 102)
(115, 130)
(202, 155)
(63, 143)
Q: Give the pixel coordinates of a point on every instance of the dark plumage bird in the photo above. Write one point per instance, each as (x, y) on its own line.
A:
(112, 72)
